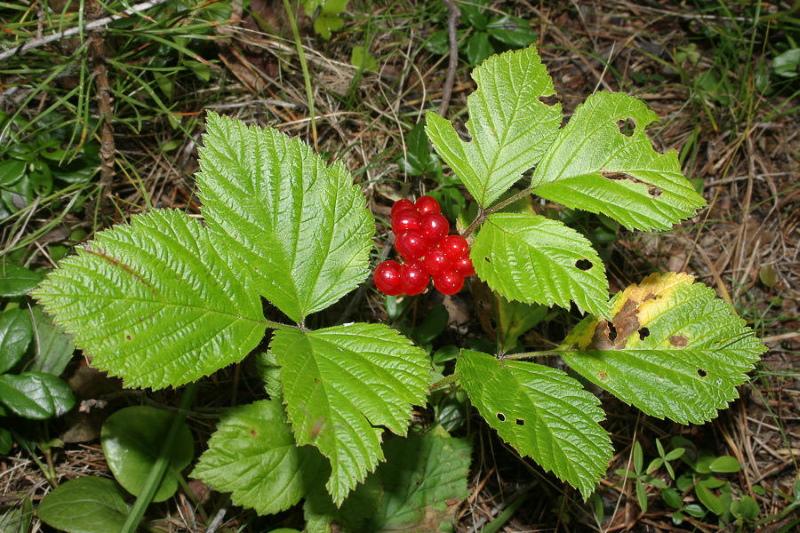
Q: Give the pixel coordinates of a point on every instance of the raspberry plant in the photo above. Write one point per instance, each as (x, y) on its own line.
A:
(167, 299)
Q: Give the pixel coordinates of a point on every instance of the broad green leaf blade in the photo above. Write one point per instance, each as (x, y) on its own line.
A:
(533, 259)
(596, 165)
(16, 280)
(543, 413)
(340, 384)
(509, 125)
(418, 488)
(673, 349)
(132, 440)
(253, 456)
(156, 301)
(298, 225)
(84, 505)
(35, 395)
(54, 348)
(15, 335)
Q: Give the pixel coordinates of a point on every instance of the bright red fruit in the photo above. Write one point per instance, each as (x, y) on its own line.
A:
(464, 266)
(405, 220)
(434, 227)
(388, 277)
(449, 282)
(411, 245)
(402, 205)
(415, 279)
(454, 246)
(427, 205)
(436, 262)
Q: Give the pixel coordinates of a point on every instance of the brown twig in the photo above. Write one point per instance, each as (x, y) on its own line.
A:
(452, 25)
(107, 147)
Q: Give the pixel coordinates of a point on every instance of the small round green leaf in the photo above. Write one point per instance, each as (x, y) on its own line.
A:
(16, 280)
(725, 464)
(35, 395)
(15, 335)
(132, 439)
(84, 505)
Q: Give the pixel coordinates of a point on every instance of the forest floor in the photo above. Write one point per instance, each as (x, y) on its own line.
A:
(708, 69)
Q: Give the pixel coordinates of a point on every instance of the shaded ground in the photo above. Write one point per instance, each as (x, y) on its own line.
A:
(707, 70)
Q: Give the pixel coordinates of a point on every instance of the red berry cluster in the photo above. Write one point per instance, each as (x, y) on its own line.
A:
(423, 242)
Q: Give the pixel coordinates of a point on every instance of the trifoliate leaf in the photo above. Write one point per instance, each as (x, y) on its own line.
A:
(533, 259)
(419, 487)
(252, 455)
(156, 301)
(341, 384)
(603, 162)
(298, 225)
(15, 336)
(35, 395)
(509, 125)
(543, 413)
(672, 349)
(133, 439)
(84, 505)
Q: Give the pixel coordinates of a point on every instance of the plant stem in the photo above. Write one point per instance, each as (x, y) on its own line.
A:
(278, 325)
(298, 43)
(532, 355)
(160, 466)
(483, 213)
(444, 382)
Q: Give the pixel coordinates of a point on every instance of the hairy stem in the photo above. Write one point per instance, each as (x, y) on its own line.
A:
(483, 213)
(532, 355)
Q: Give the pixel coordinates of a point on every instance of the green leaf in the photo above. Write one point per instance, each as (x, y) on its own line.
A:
(252, 455)
(514, 319)
(512, 31)
(673, 349)
(533, 259)
(641, 495)
(16, 280)
(418, 158)
(341, 384)
(54, 348)
(132, 440)
(11, 171)
(155, 301)
(35, 395)
(596, 165)
(415, 490)
(543, 413)
(719, 505)
(15, 335)
(745, 508)
(672, 498)
(725, 464)
(17, 519)
(362, 59)
(638, 457)
(6, 442)
(298, 225)
(478, 48)
(84, 505)
(510, 127)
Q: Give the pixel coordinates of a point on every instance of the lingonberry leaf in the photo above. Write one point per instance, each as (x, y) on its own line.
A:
(418, 488)
(672, 349)
(35, 395)
(533, 259)
(604, 162)
(253, 456)
(156, 301)
(298, 225)
(543, 413)
(340, 384)
(509, 124)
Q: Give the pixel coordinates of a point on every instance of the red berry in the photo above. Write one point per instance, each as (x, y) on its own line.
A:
(464, 266)
(411, 245)
(415, 279)
(388, 277)
(427, 205)
(449, 282)
(454, 246)
(401, 205)
(436, 262)
(405, 220)
(434, 227)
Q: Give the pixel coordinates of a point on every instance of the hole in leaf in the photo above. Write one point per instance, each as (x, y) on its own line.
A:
(644, 333)
(612, 332)
(551, 99)
(488, 259)
(583, 264)
(626, 127)
(702, 373)
(501, 417)
(678, 340)
(128, 337)
(655, 192)
(520, 422)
